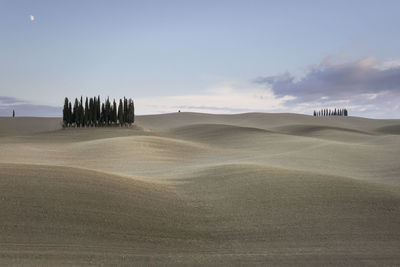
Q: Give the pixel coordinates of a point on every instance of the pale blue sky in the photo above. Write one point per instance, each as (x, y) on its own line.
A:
(195, 55)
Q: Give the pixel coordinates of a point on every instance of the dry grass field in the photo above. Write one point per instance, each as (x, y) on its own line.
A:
(200, 189)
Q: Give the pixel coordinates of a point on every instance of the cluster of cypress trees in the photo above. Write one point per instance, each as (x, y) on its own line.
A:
(331, 112)
(94, 113)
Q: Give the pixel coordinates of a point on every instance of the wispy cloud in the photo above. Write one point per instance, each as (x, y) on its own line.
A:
(7, 100)
(367, 85)
(219, 99)
(24, 108)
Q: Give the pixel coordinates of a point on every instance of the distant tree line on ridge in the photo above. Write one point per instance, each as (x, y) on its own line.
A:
(331, 112)
(94, 113)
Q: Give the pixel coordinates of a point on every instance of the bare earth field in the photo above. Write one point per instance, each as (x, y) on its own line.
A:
(199, 189)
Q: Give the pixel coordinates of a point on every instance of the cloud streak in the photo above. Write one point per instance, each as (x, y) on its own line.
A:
(24, 108)
(223, 99)
(7, 100)
(366, 85)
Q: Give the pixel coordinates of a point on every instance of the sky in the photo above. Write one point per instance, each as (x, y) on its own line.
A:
(202, 56)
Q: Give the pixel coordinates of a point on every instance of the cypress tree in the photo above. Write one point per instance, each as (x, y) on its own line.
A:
(65, 112)
(110, 111)
(91, 108)
(76, 114)
(114, 109)
(103, 114)
(111, 114)
(120, 113)
(107, 111)
(125, 110)
(93, 112)
(98, 109)
(81, 113)
(87, 113)
(96, 116)
(69, 114)
(109, 107)
(128, 114)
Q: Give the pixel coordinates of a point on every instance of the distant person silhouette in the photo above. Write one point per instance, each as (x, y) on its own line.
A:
(13, 113)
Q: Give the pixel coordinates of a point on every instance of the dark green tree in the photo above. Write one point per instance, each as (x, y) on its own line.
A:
(76, 112)
(65, 113)
(96, 115)
(91, 110)
(87, 113)
(81, 113)
(114, 112)
(98, 110)
(131, 112)
(103, 114)
(120, 113)
(70, 118)
(107, 111)
(125, 110)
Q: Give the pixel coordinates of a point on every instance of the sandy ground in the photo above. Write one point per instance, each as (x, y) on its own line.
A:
(200, 189)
